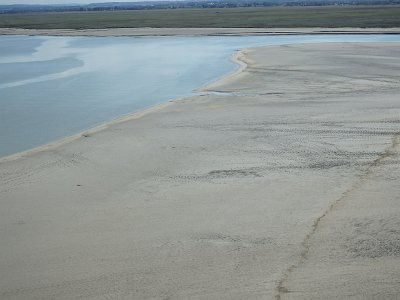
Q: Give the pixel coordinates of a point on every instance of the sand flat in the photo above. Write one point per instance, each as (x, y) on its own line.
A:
(284, 184)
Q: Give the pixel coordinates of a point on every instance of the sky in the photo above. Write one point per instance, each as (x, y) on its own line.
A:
(6, 2)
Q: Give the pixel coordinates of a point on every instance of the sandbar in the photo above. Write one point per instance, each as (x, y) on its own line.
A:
(280, 181)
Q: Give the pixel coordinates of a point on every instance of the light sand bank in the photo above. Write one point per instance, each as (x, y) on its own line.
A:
(192, 31)
(284, 186)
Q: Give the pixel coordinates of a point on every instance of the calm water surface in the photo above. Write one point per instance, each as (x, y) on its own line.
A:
(52, 87)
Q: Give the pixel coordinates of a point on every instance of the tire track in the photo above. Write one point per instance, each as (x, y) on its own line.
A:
(281, 287)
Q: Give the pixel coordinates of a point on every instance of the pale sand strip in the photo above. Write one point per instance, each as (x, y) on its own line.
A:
(285, 186)
(191, 31)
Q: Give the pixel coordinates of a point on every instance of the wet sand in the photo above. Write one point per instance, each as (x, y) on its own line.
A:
(280, 181)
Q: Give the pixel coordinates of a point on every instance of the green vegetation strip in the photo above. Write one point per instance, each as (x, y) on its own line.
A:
(366, 16)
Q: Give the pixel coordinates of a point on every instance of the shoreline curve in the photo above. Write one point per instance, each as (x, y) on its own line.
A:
(237, 57)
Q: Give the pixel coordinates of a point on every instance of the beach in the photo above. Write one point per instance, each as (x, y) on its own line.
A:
(280, 181)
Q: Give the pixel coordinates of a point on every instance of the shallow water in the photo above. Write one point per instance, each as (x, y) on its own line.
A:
(52, 87)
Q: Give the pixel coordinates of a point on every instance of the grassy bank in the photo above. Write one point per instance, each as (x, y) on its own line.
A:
(367, 16)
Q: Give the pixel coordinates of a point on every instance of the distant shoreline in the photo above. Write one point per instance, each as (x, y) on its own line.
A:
(242, 19)
(109, 32)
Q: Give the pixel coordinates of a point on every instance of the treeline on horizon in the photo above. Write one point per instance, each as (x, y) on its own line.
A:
(112, 6)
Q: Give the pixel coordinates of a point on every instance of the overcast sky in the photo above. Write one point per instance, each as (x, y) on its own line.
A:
(60, 1)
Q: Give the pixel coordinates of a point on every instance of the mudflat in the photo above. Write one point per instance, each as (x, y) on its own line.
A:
(280, 181)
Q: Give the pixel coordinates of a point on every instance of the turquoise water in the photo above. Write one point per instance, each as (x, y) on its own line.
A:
(52, 87)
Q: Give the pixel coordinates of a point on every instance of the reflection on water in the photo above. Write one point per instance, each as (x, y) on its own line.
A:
(52, 87)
